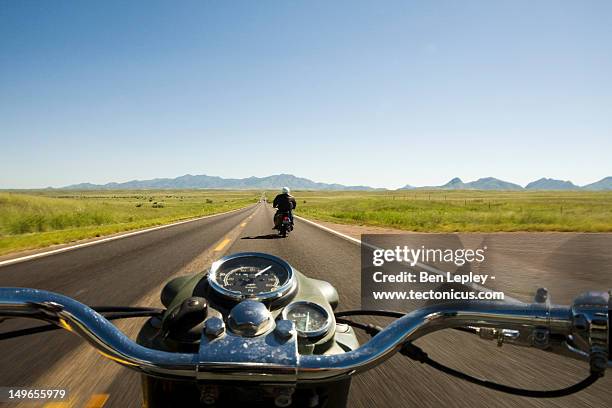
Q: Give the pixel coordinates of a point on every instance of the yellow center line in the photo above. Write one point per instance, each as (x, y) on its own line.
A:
(222, 244)
(243, 224)
(97, 401)
(57, 405)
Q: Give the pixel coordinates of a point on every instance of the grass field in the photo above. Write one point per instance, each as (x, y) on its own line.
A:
(35, 219)
(40, 218)
(462, 210)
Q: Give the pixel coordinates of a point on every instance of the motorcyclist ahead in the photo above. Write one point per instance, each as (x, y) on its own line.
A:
(285, 203)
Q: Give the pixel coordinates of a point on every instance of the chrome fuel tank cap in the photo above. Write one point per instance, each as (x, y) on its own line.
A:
(250, 318)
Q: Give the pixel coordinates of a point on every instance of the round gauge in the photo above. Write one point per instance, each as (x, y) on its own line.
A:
(310, 319)
(252, 275)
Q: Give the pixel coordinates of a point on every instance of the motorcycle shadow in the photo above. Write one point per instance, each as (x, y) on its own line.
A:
(268, 236)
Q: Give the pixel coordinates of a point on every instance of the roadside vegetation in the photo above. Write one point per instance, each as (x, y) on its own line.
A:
(463, 211)
(36, 219)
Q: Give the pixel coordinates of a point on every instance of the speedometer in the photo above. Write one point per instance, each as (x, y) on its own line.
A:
(250, 280)
(251, 275)
(310, 319)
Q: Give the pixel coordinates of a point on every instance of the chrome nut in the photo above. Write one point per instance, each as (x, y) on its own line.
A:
(214, 327)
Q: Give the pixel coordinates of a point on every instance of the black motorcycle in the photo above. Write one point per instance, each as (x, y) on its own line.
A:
(283, 223)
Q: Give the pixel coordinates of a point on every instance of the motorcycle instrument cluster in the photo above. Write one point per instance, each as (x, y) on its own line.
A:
(253, 276)
(311, 320)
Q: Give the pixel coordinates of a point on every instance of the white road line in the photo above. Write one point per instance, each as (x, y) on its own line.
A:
(323, 227)
(428, 268)
(102, 240)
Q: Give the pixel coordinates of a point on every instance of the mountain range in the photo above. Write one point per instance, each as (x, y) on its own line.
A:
(189, 181)
(487, 183)
(491, 183)
(207, 182)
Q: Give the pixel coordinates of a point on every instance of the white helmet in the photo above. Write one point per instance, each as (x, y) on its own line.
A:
(286, 190)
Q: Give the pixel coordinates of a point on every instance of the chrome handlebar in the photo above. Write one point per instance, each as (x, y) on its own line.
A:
(80, 319)
(580, 331)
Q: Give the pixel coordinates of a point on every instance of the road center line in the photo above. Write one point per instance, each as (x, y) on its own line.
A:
(222, 244)
(57, 405)
(97, 401)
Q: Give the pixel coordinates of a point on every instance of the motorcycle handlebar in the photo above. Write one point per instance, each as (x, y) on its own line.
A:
(105, 337)
(514, 322)
(427, 320)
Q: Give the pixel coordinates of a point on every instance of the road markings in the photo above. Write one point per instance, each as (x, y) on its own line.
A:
(99, 241)
(222, 244)
(243, 224)
(97, 401)
(428, 268)
(323, 227)
(58, 405)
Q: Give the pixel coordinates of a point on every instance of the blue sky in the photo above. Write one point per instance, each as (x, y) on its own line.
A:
(378, 93)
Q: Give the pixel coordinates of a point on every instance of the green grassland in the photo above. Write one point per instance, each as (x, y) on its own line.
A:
(463, 210)
(34, 219)
(40, 218)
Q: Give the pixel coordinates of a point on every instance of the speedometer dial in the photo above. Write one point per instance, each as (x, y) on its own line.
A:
(252, 276)
(310, 319)
(250, 280)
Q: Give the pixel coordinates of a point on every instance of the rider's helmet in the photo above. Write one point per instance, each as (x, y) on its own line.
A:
(286, 190)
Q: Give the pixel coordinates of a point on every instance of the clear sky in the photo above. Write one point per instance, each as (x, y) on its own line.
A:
(377, 93)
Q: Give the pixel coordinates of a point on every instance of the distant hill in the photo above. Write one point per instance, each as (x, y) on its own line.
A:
(603, 184)
(487, 183)
(454, 184)
(491, 183)
(551, 184)
(203, 181)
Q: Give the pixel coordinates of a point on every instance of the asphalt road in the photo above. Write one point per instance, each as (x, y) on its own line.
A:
(132, 270)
